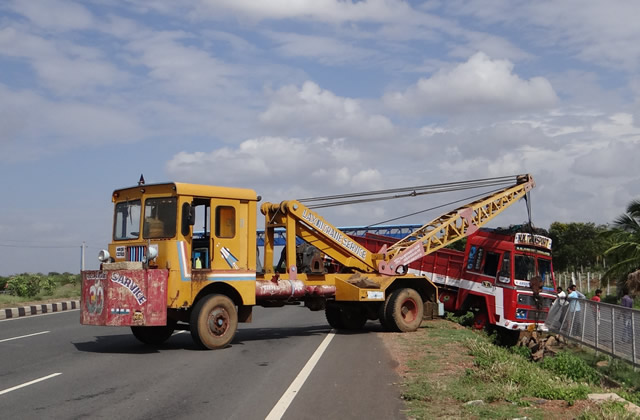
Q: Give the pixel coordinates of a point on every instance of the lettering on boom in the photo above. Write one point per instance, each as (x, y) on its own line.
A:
(334, 234)
(130, 285)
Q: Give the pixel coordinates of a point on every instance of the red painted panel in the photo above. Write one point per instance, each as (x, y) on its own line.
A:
(124, 297)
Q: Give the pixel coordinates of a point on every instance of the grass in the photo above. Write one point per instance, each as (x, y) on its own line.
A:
(67, 291)
(451, 366)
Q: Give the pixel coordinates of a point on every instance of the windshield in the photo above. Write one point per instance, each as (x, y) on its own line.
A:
(544, 269)
(127, 220)
(525, 267)
(160, 217)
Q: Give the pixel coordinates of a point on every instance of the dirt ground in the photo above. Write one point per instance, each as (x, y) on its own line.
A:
(453, 359)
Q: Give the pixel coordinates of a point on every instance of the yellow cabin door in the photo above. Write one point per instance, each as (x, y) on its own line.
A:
(229, 230)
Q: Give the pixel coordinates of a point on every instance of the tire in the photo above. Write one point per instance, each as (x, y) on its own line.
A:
(382, 316)
(154, 336)
(213, 322)
(345, 317)
(480, 320)
(404, 310)
(507, 338)
(334, 317)
(353, 317)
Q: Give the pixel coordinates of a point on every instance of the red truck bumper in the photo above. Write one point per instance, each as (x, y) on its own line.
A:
(124, 297)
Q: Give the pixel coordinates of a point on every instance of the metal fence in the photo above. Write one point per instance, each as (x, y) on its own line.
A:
(604, 327)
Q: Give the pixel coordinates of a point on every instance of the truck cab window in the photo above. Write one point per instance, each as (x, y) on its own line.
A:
(160, 218)
(491, 264)
(127, 220)
(525, 267)
(225, 222)
(544, 270)
(505, 269)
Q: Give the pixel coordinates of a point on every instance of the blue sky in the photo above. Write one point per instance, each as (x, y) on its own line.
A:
(299, 98)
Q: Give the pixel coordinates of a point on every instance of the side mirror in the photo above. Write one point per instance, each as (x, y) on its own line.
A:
(188, 218)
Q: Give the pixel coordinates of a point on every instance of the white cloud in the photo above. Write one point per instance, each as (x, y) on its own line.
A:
(62, 67)
(311, 109)
(320, 10)
(325, 50)
(182, 69)
(54, 14)
(603, 32)
(34, 126)
(271, 163)
(479, 85)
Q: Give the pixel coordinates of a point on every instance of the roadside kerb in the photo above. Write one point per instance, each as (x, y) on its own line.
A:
(44, 308)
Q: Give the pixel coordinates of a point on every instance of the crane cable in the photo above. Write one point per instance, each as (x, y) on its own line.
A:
(389, 194)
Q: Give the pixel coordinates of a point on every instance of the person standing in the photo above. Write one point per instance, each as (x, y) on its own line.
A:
(574, 309)
(596, 311)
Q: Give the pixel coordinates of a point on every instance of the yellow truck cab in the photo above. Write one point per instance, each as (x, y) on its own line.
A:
(182, 240)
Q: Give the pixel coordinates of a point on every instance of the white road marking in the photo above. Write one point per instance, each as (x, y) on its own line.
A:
(33, 316)
(29, 383)
(23, 336)
(281, 406)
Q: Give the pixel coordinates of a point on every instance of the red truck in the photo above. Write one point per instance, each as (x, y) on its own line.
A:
(506, 278)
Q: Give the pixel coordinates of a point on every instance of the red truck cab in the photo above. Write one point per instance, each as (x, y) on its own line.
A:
(505, 278)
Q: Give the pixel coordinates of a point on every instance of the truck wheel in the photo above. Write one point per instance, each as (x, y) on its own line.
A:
(213, 322)
(345, 317)
(334, 317)
(353, 317)
(480, 320)
(154, 335)
(382, 316)
(404, 310)
(507, 338)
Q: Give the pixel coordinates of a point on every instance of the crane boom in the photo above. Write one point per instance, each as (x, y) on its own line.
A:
(452, 226)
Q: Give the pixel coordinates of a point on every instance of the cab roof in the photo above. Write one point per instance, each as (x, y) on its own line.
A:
(194, 190)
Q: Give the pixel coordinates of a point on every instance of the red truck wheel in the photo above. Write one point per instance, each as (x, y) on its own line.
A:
(214, 321)
(154, 335)
(404, 310)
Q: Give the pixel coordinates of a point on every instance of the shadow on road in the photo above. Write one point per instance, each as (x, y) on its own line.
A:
(181, 340)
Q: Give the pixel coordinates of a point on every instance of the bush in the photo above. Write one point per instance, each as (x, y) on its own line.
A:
(30, 285)
(572, 367)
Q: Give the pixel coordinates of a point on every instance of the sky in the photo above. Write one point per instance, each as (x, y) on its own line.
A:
(303, 98)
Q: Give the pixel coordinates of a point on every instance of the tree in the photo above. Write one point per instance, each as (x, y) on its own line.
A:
(577, 245)
(624, 254)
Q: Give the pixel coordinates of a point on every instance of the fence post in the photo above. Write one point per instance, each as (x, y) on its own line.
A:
(633, 337)
(584, 319)
(588, 281)
(613, 330)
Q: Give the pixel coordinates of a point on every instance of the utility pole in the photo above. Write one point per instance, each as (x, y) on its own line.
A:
(82, 257)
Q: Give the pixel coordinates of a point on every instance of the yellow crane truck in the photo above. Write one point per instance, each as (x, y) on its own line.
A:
(184, 256)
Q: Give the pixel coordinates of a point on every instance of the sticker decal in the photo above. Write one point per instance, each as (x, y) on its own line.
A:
(96, 298)
(129, 285)
(229, 257)
(120, 251)
(375, 295)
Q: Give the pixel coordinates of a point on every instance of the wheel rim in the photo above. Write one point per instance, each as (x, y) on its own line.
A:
(218, 321)
(409, 310)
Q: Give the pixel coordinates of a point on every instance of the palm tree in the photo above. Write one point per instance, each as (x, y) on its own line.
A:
(625, 251)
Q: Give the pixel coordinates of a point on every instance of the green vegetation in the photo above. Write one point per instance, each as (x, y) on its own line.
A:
(500, 374)
(577, 245)
(624, 252)
(456, 372)
(27, 287)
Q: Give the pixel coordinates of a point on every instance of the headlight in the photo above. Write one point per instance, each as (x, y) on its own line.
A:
(152, 252)
(103, 256)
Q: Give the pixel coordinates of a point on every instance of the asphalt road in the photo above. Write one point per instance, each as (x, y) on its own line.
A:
(104, 372)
